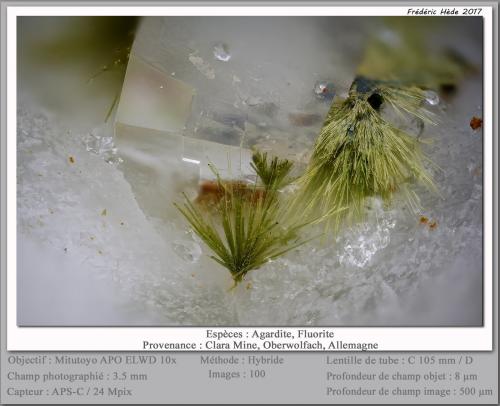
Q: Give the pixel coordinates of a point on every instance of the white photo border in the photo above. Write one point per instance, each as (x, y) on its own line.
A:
(133, 338)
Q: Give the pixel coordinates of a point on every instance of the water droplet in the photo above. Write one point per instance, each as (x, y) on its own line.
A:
(221, 52)
(324, 90)
(431, 97)
(350, 131)
(389, 37)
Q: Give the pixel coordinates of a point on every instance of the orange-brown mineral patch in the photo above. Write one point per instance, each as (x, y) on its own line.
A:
(424, 220)
(476, 123)
(433, 225)
(211, 192)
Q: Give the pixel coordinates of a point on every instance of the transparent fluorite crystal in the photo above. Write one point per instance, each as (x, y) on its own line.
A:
(365, 242)
(100, 141)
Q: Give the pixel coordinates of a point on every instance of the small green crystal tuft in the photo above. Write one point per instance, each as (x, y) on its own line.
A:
(246, 230)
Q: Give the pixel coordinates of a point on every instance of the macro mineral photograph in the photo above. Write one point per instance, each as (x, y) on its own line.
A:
(250, 171)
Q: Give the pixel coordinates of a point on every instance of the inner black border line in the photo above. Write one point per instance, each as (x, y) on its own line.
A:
(169, 326)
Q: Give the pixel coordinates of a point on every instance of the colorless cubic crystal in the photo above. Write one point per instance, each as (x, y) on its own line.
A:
(177, 93)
